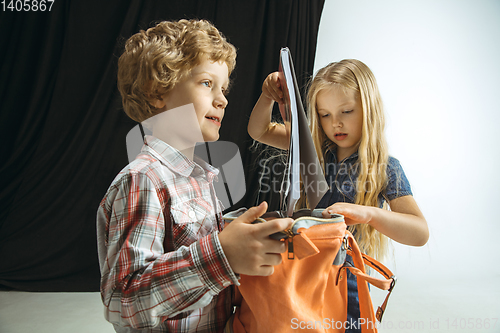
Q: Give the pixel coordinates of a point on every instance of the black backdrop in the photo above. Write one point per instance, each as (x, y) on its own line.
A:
(63, 130)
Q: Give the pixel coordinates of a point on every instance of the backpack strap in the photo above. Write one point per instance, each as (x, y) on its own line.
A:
(385, 284)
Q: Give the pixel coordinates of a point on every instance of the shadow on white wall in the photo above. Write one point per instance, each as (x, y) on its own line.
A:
(437, 64)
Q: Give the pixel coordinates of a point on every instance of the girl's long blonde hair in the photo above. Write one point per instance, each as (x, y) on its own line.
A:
(351, 74)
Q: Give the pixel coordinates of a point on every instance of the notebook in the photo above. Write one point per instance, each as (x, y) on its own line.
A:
(302, 160)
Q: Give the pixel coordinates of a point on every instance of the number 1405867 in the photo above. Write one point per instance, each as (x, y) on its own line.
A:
(27, 5)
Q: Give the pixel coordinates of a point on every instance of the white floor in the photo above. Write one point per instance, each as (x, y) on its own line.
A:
(454, 305)
(451, 304)
(22, 312)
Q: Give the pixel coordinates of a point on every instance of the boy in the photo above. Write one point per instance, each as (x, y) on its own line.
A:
(167, 265)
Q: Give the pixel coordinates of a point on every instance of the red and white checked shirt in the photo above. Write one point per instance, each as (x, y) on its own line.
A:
(163, 268)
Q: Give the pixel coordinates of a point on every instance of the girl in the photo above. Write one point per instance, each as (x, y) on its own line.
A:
(347, 126)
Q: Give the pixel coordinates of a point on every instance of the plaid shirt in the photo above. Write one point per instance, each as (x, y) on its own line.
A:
(163, 268)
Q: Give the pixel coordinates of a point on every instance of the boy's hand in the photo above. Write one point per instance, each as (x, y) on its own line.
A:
(248, 247)
(271, 88)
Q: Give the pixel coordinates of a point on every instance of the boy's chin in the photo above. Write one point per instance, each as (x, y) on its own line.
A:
(211, 138)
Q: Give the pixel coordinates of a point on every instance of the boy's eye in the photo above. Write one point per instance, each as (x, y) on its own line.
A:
(207, 84)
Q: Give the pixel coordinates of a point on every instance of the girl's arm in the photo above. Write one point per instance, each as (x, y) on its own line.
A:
(404, 223)
(260, 126)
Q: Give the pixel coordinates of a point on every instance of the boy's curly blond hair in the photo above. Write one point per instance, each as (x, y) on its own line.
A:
(155, 60)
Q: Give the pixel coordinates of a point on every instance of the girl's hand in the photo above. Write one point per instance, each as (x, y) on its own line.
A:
(404, 223)
(353, 214)
(271, 88)
(261, 127)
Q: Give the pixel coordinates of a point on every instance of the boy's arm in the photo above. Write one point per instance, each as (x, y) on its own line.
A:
(142, 285)
(260, 126)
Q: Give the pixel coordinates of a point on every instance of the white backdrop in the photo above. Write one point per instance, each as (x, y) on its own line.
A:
(437, 63)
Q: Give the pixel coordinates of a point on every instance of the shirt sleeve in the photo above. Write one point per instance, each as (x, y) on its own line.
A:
(398, 185)
(141, 285)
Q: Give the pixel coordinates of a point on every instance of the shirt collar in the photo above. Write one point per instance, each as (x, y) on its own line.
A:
(175, 160)
(333, 153)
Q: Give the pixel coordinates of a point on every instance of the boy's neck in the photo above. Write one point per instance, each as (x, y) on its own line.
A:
(183, 145)
(187, 149)
(179, 127)
(189, 153)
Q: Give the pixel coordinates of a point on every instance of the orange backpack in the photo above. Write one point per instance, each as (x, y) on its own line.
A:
(308, 290)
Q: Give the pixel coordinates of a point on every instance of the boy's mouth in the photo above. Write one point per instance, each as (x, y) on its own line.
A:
(214, 119)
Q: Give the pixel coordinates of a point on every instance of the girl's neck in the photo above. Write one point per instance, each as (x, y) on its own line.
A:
(343, 153)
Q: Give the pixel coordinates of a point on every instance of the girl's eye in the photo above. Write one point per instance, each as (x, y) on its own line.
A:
(324, 115)
(347, 111)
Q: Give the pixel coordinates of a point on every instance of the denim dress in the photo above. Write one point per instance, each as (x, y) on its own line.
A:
(341, 177)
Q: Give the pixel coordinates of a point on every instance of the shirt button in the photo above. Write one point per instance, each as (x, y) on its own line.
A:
(192, 214)
(226, 284)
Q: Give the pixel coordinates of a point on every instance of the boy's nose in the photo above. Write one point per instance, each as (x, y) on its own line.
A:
(220, 101)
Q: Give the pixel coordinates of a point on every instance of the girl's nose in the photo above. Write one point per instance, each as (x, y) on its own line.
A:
(336, 122)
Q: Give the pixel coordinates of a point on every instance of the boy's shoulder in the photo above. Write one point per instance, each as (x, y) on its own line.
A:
(142, 165)
(158, 164)
(144, 170)
(155, 155)
(160, 167)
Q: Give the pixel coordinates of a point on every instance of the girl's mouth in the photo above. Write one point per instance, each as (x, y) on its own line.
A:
(340, 136)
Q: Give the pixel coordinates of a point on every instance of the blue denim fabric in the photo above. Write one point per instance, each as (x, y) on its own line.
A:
(341, 178)
(352, 302)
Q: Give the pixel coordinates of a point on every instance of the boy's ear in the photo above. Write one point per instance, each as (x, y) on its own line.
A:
(157, 101)
(156, 96)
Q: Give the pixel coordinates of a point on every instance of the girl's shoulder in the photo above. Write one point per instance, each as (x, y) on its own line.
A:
(398, 184)
(393, 165)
